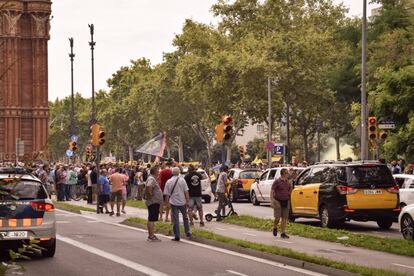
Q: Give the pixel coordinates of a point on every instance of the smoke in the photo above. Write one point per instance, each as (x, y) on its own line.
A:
(345, 150)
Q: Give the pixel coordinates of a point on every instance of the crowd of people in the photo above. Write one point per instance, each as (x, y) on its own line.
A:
(166, 189)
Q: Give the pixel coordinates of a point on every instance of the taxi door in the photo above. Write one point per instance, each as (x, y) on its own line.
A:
(311, 191)
(296, 197)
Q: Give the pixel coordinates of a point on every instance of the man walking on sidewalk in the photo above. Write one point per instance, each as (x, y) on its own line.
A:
(117, 182)
(176, 192)
(280, 195)
(153, 199)
(193, 179)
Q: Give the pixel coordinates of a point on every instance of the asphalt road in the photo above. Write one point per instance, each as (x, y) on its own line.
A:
(90, 247)
(265, 211)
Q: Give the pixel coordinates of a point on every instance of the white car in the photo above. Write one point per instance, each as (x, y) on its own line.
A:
(406, 184)
(260, 190)
(406, 222)
(206, 192)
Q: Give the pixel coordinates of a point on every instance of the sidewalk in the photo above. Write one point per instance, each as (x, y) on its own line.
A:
(329, 250)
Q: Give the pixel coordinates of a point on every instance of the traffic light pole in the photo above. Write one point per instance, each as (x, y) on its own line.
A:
(269, 98)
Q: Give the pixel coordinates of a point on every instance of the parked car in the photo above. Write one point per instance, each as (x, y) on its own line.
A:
(406, 222)
(207, 194)
(406, 184)
(26, 211)
(335, 193)
(241, 180)
(260, 189)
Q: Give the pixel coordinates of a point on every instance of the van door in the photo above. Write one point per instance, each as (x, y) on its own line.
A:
(267, 187)
(260, 186)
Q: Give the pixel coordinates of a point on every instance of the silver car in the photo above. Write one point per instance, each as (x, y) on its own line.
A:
(26, 210)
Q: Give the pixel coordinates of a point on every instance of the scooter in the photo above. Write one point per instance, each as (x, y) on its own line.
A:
(231, 212)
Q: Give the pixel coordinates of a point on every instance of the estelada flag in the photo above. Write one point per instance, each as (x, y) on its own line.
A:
(155, 146)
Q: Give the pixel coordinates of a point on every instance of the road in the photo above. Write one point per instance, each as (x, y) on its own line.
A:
(264, 211)
(87, 246)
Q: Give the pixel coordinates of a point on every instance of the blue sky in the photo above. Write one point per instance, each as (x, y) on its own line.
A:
(124, 30)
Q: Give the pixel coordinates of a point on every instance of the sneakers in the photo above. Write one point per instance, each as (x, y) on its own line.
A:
(123, 212)
(201, 223)
(275, 232)
(118, 214)
(284, 236)
(175, 239)
(153, 239)
(111, 213)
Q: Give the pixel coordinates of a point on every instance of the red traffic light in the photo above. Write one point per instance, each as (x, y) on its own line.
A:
(227, 119)
(372, 120)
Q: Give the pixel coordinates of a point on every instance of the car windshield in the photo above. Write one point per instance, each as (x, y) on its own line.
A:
(249, 174)
(367, 175)
(16, 189)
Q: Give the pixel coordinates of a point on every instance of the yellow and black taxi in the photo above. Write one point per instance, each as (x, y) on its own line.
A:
(241, 180)
(339, 192)
(26, 211)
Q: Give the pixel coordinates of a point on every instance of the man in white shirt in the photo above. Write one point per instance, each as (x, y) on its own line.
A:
(176, 191)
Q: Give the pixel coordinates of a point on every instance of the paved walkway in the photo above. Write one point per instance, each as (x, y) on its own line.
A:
(329, 250)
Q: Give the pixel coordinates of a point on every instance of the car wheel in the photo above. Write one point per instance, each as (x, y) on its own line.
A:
(50, 249)
(207, 200)
(385, 223)
(407, 227)
(209, 217)
(234, 214)
(326, 218)
(255, 201)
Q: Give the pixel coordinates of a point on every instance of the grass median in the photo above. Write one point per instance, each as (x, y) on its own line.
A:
(2, 270)
(136, 203)
(389, 245)
(72, 207)
(166, 229)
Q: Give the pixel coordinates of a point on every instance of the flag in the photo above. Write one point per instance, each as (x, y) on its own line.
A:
(155, 146)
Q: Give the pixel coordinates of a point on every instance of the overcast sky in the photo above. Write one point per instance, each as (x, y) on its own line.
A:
(124, 30)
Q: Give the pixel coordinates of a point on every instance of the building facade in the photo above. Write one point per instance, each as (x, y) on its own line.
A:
(24, 35)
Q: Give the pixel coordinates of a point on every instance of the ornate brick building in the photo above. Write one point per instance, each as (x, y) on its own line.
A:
(24, 34)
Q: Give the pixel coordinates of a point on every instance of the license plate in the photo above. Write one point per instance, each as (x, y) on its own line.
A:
(14, 235)
(372, 192)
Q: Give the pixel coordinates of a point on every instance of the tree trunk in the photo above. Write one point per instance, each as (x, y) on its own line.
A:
(305, 147)
(180, 149)
(131, 152)
(228, 153)
(338, 148)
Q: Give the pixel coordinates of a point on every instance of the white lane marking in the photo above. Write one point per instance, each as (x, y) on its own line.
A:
(93, 221)
(135, 266)
(66, 215)
(335, 251)
(63, 221)
(236, 273)
(406, 266)
(217, 249)
(221, 229)
(248, 234)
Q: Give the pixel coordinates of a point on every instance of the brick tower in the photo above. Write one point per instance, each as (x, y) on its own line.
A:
(24, 34)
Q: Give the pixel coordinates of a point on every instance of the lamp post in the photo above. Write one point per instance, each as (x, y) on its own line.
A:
(364, 112)
(92, 44)
(318, 129)
(269, 99)
(72, 97)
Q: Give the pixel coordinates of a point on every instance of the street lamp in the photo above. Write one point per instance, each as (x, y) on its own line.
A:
(364, 112)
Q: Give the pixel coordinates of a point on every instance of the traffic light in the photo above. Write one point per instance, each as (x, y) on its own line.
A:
(101, 136)
(372, 128)
(228, 128)
(219, 130)
(383, 135)
(95, 134)
(73, 145)
(88, 151)
(241, 152)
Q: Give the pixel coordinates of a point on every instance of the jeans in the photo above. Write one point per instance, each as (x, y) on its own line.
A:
(60, 187)
(176, 223)
(67, 191)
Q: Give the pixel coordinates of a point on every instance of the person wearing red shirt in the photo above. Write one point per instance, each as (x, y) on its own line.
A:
(165, 174)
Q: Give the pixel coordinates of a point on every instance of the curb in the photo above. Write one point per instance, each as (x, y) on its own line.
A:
(263, 255)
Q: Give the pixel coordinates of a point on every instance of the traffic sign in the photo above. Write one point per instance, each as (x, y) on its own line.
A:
(74, 138)
(269, 146)
(69, 153)
(279, 149)
(386, 124)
